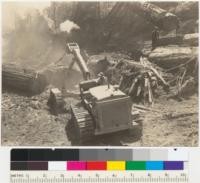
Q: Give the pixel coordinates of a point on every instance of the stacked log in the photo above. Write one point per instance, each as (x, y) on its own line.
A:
(171, 56)
(191, 39)
(158, 16)
(18, 78)
(184, 40)
(187, 10)
(150, 12)
(143, 87)
(170, 40)
(140, 80)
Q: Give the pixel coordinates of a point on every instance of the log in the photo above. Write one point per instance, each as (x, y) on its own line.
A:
(124, 16)
(27, 80)
(163, 19)
(187, 10)
(157, 16)
(184, 40)
(135, 106)
(170, 40)
(191, 39)
(132, 64)
(171, 56)
(159, 77)
(150, 95)
(131, 90)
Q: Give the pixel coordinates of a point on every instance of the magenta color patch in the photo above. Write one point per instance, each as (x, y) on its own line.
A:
(76, 165)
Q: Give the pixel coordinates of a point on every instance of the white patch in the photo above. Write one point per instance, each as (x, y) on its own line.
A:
(68, 26)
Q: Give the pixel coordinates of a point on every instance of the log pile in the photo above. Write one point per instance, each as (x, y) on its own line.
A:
(170, 40)
(148, 11)
(191, 39)
(171, 56)
(140, 80)
(187, 42)
(18, 78)
(186, 10)
(184, 40)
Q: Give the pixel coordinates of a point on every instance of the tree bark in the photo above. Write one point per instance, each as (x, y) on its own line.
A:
(171, 56)
(22, 79)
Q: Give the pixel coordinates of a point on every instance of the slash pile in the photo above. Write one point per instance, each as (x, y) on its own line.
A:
(140, 80)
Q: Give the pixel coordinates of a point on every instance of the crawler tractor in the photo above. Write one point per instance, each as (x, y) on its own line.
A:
(103, 108)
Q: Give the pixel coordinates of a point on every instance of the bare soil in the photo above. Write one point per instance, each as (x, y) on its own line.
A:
(27, 121)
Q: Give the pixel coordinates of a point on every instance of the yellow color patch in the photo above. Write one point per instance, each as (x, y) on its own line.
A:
(115, 165)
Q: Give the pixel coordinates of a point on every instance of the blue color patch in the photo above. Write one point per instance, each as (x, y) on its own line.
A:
(154, 165)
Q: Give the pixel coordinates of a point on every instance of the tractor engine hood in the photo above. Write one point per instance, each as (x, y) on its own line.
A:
(103, 92)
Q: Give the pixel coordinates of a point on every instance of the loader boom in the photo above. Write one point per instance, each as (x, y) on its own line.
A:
(75, 50)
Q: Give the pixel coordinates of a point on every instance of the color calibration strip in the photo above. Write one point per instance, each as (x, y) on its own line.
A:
(98, 165)
(99, 155)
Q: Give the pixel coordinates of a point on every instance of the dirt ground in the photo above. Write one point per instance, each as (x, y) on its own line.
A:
(27, 121)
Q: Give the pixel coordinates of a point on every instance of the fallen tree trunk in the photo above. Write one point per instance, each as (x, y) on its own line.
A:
(27, 80)
(171, 56)
(158, 16)
(170, 40)
(187, 10)
(191, 39)
(184, 40)
(150, 12)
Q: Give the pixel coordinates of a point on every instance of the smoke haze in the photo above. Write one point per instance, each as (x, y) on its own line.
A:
(20, 9)
(68, 26)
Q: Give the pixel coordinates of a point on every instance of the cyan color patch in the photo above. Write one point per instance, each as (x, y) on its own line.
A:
(154, 165)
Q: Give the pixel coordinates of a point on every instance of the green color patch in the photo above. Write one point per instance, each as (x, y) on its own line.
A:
(135, 165)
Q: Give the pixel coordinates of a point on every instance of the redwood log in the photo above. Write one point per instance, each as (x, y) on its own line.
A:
(170, 40)
(157, 16)
(171, 56)
(163, 19)
(23, 79)
(191, 39)
(187, 10)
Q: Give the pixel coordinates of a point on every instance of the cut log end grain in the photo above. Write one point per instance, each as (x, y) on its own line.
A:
(27, 80)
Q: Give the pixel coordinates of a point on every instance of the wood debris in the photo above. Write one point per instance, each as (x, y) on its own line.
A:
(141, 81)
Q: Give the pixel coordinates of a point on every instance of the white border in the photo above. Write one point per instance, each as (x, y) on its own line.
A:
(5, 151)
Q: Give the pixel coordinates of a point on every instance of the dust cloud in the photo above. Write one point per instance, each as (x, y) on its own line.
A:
(27, 37)
(31, 40)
